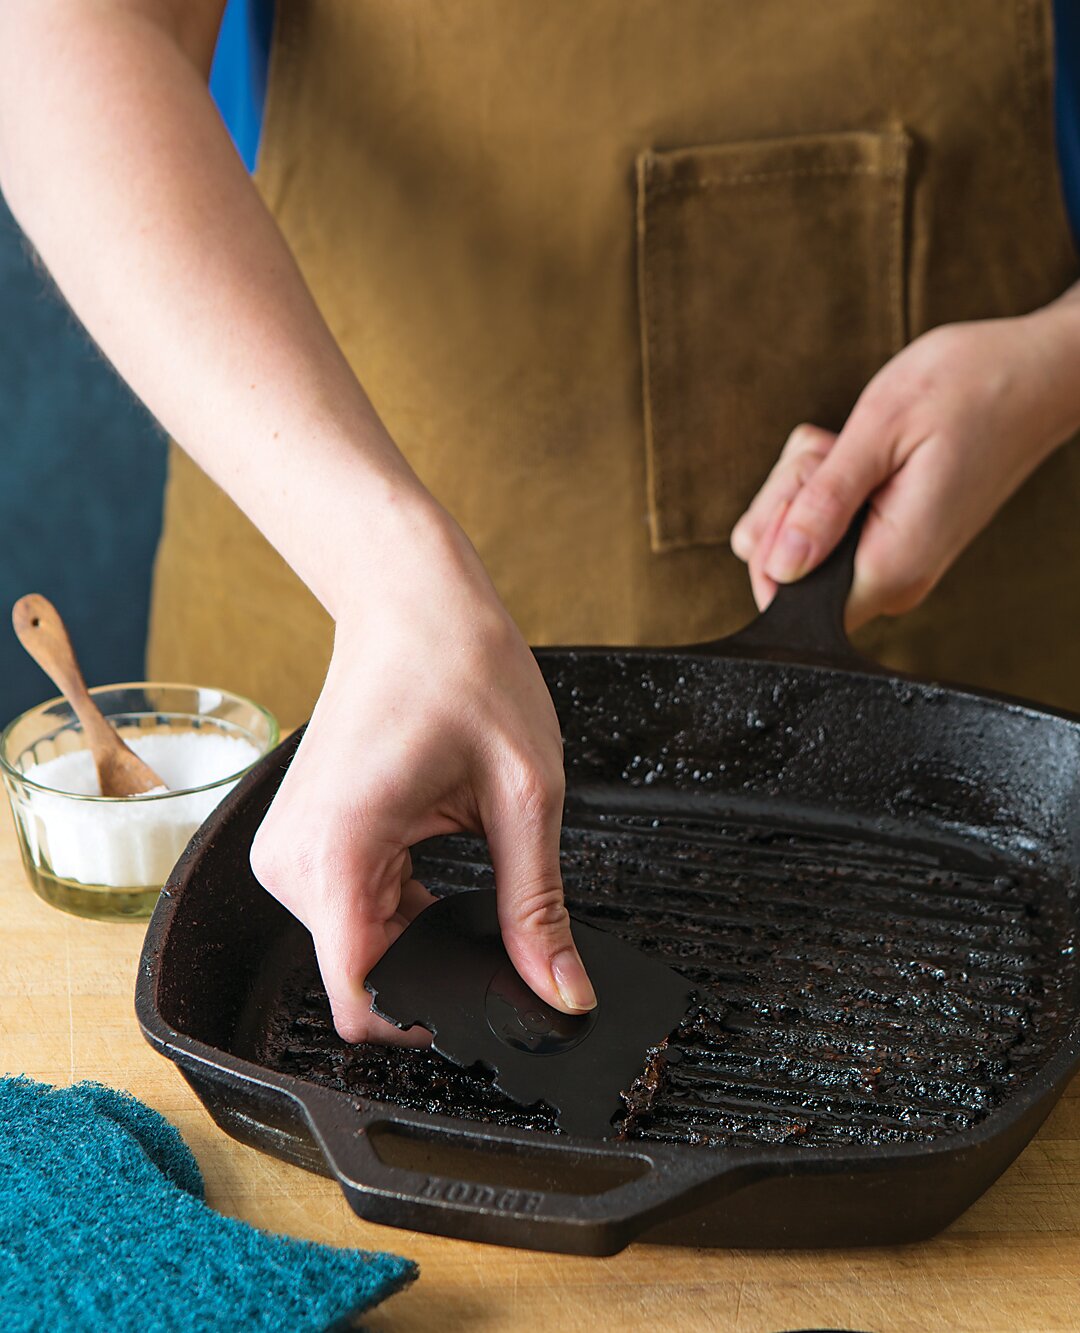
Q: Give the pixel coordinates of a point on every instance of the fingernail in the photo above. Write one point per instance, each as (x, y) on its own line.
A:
(789, 556)
(572, 981)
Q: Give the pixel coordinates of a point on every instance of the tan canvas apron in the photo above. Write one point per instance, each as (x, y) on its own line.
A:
(593, 260)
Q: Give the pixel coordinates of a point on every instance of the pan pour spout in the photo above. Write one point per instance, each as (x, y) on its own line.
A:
(449, 972)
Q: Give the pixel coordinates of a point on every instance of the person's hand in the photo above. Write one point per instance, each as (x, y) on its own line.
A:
(434, 718)
(938, 441)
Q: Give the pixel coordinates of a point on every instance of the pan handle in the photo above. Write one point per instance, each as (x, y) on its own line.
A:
(805, 621)
(533, 1218)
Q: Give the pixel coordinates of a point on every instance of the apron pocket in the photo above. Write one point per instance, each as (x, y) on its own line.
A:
(770, 290)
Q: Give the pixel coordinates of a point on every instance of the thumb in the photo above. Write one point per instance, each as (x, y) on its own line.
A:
(532, 914)
(825, 506)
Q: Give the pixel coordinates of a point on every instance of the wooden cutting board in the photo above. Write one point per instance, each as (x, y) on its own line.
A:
(1012, 1263)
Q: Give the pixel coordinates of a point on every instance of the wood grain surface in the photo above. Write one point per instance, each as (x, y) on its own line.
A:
(1012, 1263)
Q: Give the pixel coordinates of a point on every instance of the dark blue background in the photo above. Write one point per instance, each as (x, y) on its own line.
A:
(82, 467)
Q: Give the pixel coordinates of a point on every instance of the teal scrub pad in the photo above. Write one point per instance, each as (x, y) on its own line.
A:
(103, 1227)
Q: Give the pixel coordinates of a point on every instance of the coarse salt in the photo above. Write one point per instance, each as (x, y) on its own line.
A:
(132, 842)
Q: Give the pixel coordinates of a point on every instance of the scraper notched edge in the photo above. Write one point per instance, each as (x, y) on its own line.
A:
(450, 973)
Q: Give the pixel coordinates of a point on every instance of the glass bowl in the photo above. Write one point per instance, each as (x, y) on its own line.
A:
(107, 857)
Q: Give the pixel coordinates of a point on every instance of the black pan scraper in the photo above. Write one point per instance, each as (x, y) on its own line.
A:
(449, 972)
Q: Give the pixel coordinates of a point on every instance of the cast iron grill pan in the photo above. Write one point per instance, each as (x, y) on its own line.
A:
(852, 991)
(869, 881)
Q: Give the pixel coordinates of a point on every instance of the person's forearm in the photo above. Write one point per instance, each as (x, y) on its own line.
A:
(1063, 315)
(434, 717)
(115, 162)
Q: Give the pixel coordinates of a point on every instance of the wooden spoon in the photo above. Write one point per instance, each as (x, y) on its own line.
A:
(42, 633)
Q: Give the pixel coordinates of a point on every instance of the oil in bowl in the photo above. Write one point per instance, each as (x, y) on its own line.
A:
(108, 857)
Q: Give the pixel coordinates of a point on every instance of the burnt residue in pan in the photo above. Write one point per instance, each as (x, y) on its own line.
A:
(852, 990)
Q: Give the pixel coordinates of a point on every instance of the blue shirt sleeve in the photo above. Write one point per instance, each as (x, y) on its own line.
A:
(238, 74)
(1067, 104)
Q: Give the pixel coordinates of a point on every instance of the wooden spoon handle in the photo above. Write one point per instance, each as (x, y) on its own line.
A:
(43, 634)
